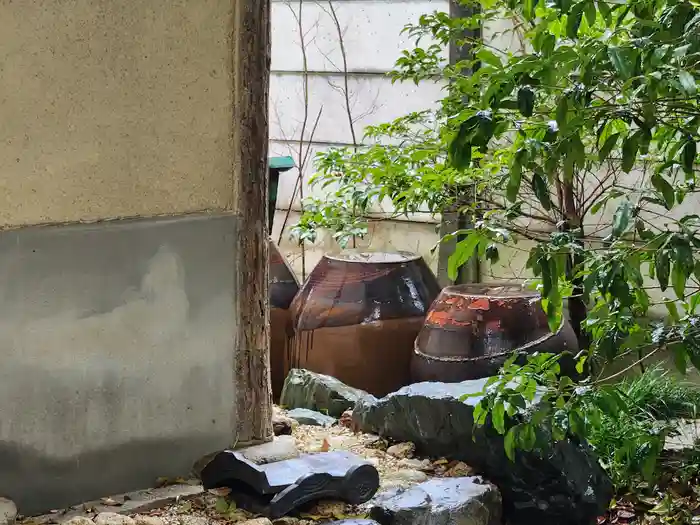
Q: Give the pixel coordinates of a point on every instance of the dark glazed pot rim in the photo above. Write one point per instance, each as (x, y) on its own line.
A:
(369, 257)
(492, 291)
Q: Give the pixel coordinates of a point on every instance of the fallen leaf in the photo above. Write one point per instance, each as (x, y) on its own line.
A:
(222, 505)
(325, 446)
(220, 491)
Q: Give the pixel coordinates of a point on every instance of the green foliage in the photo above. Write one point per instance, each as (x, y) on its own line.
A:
(626, 423)
(581, 144)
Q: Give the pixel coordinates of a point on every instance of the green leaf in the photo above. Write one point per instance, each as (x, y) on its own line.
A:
(480, 414)
(578, 151)
(562, 111)
(581, 363)
(680, 358)
(608, 146)
(622, 61)
(688, 156)
(662, 269)
(529, 8)
(678, 279)
(509, 443)
(622, 217)
(630, 148)
(526, 101)
(577, 423)
(606, 12)
(687, 83)
(460, 148)
(221, 505)
(489, 57)
(516, 174)
(589, 9)
(540, 189)
(498, 413)
(549, 41)
(527, 437)
(664, 188)
(464, 250)
(573, 21)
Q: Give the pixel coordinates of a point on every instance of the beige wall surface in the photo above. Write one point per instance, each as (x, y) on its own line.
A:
(114, 108)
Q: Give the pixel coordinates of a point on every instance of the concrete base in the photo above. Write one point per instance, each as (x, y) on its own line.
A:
(116, 355)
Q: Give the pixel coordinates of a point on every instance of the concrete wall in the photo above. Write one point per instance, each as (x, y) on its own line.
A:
(117, 362)
(117, 341)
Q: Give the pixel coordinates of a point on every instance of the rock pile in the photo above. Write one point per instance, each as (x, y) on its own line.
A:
(563, 483)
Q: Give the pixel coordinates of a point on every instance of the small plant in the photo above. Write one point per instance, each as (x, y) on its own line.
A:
(630, 444)
(626, 423)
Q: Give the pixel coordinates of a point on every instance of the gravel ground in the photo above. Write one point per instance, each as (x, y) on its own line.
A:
(396, 463)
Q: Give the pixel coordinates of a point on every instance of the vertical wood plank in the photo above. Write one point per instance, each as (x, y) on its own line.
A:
(251, 67)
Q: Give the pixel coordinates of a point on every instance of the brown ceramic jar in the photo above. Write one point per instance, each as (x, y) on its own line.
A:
(472, 329)
(357, 316)
(283, 288)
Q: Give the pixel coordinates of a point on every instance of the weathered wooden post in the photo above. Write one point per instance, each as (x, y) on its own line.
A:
(250, 195)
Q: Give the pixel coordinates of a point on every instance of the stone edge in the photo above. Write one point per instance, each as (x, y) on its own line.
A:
(135, 502)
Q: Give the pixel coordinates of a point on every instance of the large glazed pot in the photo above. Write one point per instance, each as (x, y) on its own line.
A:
(283, 288)
(357, 316)
(472, 329)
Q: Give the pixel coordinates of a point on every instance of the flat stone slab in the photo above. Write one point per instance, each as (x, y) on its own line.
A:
(354, 522)
(688, 435)
(128, 503)
(275, 489)
(304, 416)
(445, 501)
(8, 511)
(279, 449)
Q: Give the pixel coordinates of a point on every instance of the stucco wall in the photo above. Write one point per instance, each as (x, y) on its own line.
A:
(114, 108)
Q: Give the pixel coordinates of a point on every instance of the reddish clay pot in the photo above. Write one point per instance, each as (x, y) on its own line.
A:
(472, 329)
(357, 316)
(283, 288)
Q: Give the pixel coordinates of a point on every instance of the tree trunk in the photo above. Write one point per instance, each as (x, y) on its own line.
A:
(251, 67)
(577, 307)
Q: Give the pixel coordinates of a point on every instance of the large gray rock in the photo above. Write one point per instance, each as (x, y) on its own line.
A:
(304, 416)
(446, 501)
(305, 389)
(558, 483)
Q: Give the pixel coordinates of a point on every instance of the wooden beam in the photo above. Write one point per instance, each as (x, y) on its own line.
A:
(251, 72)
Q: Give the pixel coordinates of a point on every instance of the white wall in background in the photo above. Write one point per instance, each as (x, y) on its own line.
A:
(373, 41)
